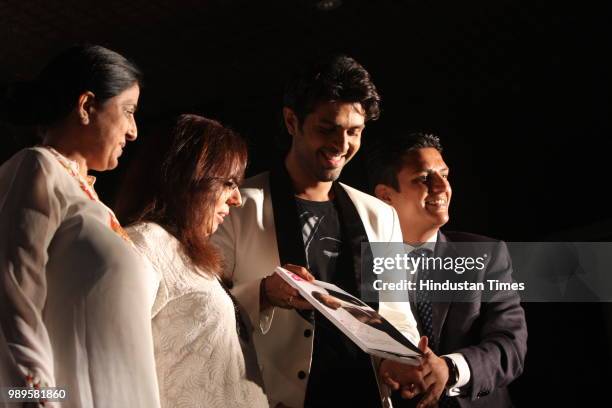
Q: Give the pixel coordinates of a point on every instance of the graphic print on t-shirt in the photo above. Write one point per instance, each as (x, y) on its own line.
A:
(321, 235)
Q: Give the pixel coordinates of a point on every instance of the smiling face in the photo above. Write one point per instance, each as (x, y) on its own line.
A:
(326, 140)
(111, 126)
(424, 194)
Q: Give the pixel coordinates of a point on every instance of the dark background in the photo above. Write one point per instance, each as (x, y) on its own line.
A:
(518, 91)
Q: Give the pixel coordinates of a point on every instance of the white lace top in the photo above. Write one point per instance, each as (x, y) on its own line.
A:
(200, 362)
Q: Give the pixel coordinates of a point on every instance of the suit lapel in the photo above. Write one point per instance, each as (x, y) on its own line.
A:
(353, 235)
(286, 220)
(440, 307)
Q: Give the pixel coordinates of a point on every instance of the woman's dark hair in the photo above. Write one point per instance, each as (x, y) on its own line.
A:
(203, 159)
(53, 94)
(337, 78)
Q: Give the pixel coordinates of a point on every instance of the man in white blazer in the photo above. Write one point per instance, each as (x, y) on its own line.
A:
(298, 214)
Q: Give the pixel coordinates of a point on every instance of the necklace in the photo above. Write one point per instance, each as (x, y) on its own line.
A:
(87, 187)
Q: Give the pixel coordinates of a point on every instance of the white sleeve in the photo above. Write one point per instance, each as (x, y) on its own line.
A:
(29, 217)
(399, 314)
(246, 293)
(464, 372)
(150, 253)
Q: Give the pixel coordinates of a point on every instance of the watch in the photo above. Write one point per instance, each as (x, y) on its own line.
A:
(453, 372)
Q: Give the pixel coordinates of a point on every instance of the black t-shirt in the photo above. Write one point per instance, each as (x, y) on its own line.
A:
(337, 364)
(322, 236)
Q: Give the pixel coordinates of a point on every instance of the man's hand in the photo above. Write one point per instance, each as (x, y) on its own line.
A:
(430, 377)
(407, 377)
(435, 380)
(277, 292)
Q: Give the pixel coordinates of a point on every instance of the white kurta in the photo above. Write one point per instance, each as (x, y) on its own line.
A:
(200, 362)
(75, 298)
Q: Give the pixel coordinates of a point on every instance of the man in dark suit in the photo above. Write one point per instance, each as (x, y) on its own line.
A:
(477, 339)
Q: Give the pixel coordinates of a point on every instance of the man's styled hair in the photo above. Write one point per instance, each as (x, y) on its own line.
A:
(386, 156)
(338, 78)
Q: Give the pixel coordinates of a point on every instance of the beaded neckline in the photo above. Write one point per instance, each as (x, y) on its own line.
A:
(86, 185)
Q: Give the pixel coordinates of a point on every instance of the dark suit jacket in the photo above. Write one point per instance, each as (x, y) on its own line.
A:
(491, 334)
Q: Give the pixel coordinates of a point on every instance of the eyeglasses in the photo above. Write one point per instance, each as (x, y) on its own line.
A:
(231, 185)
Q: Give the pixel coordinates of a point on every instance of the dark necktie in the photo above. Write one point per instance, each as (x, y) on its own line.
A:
(425, 313)
(423, 297)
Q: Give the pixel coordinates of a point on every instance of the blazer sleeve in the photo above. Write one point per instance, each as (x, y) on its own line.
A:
(399, 314)
(500, 355)
(247, 293)
(29, 217)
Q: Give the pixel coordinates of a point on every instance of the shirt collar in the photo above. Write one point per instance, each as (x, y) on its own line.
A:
(429, 243)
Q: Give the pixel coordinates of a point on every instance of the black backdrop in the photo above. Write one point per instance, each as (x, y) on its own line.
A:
(519, 91)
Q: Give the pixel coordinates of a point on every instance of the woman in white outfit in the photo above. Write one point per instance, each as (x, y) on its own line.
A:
(75, 297)
(203, 347)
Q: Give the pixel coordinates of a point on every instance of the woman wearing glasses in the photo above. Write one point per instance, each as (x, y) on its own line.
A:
(203, 347)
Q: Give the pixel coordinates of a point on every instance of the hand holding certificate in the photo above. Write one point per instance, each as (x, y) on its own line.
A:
(359, 322)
